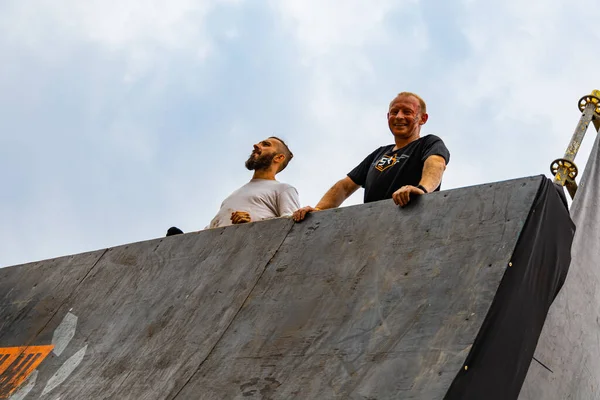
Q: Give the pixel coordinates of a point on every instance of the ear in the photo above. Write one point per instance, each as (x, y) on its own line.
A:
(279, 158)
(424, 118)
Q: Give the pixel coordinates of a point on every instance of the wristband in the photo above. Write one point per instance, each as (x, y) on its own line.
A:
(422, 188)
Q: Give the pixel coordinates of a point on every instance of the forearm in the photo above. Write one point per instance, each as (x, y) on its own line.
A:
(337, 194)
(433, 170)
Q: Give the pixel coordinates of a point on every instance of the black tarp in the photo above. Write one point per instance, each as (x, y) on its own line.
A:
(504, 347)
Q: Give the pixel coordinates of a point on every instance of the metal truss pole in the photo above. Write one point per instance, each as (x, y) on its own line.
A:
(564, 169)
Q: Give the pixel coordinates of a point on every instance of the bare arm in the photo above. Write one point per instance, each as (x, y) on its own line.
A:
(431, 178)
(338, 193)
(433, 169)
(333, 198)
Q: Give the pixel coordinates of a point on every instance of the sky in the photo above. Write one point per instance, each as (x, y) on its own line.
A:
(119, 119)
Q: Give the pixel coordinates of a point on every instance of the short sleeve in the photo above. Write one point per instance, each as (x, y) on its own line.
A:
(435, 147)
(288, 201)
(359, 174)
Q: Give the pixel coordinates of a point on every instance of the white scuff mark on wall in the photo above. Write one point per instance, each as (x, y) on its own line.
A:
(64, 333)
(65, 370)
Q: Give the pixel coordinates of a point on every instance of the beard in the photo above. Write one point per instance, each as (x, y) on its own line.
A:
(263, 161)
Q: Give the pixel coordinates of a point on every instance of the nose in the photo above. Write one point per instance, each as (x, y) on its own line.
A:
(256, 148)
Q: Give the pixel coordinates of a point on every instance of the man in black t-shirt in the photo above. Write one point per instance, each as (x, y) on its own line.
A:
(412, 166)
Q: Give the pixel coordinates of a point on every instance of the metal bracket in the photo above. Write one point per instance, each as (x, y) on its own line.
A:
(562, 164)
(591, 98)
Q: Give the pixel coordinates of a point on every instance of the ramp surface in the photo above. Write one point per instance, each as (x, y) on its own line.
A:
(364, 302)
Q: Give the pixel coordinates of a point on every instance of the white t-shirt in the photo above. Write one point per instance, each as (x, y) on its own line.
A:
(262, 199)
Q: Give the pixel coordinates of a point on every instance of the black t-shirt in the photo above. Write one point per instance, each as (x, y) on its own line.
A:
(384, 171)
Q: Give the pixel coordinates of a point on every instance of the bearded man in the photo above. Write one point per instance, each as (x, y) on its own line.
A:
(263, 197)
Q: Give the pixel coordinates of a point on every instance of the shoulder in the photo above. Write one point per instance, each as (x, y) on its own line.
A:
(430, 142)
(284, 187)
(434, 145)
(428, 139)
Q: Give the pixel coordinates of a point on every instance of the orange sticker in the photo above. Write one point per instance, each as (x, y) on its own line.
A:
(17, 363)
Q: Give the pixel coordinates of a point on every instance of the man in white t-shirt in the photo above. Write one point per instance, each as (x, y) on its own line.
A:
(263, 197)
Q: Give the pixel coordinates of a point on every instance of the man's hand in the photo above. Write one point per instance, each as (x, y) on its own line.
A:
(300, 214)
(402, 196)
(240, 217)
(335, 196)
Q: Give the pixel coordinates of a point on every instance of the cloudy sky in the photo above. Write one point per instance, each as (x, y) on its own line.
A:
(119, 119)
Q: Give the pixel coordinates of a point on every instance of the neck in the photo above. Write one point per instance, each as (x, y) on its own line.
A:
(404, 141)
(264, 174)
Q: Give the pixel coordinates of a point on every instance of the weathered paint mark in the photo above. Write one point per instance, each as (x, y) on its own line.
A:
(64, 333)
(17, 363)
(65, 370)
(25, 388)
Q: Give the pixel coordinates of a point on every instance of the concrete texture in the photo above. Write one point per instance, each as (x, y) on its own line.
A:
(364, 302)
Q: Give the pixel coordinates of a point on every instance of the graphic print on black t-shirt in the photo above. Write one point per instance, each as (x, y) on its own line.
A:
(388, 161)
(384, 171)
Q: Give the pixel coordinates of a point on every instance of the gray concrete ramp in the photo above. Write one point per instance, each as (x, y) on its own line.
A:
(364, 302)
(32, 294)
(149, 313)
(371, 301)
